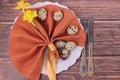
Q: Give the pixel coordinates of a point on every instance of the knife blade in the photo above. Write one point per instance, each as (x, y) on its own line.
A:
(90, 28)
(90, 46)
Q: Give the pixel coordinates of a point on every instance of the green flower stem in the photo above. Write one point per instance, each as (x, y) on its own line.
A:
(23, 10)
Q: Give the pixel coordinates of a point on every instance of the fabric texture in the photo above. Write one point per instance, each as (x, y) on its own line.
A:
(27, 44)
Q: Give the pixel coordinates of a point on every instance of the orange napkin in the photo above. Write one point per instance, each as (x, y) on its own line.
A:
(27, 44)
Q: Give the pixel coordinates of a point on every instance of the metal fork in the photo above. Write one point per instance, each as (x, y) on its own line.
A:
(83, 63)
(84, 68)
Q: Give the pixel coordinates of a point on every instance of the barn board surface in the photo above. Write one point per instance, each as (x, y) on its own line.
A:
(106, 39)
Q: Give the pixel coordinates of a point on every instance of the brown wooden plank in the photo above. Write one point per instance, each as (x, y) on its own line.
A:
(106, 38)
(82, 8)
(4, 32)
(106, 68)
(9, 72)
(12, 1)
(7, 18)
(4, 48)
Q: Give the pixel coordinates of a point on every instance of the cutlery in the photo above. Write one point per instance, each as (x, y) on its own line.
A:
(90, 46)
(83, 62)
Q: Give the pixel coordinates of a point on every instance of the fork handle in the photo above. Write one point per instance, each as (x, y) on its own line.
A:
(83, 64)
(90, 61)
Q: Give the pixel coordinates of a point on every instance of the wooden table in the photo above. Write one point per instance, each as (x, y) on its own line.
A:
(106, 39)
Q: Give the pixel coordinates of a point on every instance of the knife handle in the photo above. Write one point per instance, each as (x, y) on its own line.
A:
(83, 64)
(90, 61)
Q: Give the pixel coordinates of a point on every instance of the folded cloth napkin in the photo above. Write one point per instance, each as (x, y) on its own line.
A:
(27, 44)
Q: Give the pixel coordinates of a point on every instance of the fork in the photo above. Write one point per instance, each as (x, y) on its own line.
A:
(84, 67)
(83, 63)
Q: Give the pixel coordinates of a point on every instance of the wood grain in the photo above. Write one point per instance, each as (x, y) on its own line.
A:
(7, 71)
(108, 11)
(106, 39)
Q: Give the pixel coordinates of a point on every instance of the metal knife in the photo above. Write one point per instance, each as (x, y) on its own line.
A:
(90, 46)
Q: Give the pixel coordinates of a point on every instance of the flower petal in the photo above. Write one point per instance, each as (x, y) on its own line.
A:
(27, 5)
(22, 5)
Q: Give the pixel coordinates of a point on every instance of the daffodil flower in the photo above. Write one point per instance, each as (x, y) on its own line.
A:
(22, 5)
(29, 16)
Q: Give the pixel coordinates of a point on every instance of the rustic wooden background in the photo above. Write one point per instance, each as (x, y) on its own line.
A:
(106, 39)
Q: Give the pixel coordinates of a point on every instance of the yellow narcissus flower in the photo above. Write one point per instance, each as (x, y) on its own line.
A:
(22, 5)
(29, 15)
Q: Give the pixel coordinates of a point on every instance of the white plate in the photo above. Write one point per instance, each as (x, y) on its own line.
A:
(74, 54)
(64, 64)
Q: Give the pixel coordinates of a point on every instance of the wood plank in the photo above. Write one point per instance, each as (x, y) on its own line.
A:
(4, 32)
(9, 72)
(82, 8)
(11, 1)
(106, 38)
(7, 18)
(4, 48)
(106, 68)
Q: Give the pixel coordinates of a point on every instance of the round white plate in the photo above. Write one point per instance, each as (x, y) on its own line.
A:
(74, 54)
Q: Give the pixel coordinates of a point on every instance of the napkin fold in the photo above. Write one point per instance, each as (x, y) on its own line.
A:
(27, 44)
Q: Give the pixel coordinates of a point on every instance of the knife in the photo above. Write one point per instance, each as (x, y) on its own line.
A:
(90, 46)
